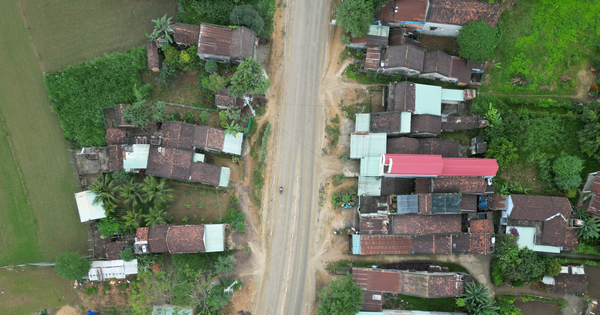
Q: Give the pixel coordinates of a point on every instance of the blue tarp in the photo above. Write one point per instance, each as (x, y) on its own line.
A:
(90, 312)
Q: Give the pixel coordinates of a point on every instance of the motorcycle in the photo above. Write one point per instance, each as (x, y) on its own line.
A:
(281, 190)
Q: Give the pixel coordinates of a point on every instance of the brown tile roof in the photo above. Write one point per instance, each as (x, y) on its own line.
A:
(114, 249)
(403, 10)
(432, 244)
(115, 158)
(594, 204)
(459, 70)
(463, 122)
(182, 239)
(153, 57)
(425, 203)
(446, 65)
(177, 134)
(209, 137)
(444, 285)
(141, 234)
(186, 34)
(479, 244)
(422, 185)
(372, 58)
(404, 145)
(174, 163)
(415, 224)
(539, 208)
(596, 184)
(374, 224)
(119, 120)
(242, 43)
(116, 136)
(461, 12)
(388, 122)
(157, 239)
(497, 202)
(372, 301)
(205, 173)
(396, 186)
(404, 97)
(459, 184)
(378, 279)
(429, 124)
(482, 226)
(469, 202)
(406, 56)
(385, 244)
(415, 284)
(567, 283)
(378, 41)
(214, 40)
(223, 100)
(556, 232)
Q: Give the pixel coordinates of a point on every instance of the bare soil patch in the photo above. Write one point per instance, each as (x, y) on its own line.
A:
(198, 204)
(535, 307)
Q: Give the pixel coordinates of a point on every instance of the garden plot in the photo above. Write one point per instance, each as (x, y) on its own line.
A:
(198, 204)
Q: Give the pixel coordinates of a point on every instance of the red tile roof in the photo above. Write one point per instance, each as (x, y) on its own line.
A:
(403, 10)
(432, 244)
(469, 167)
(169, 162)
(141, 234)
(482, 226)
(378, 279)
(374, 224)
(205, 173)
(459, 184)
(385, 244)
(157, 239)
(461, 12)
(184, 239)
(556, 232)
(115, 136)
(416, 224)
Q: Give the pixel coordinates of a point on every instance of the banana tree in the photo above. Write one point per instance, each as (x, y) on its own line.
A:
(163, 29)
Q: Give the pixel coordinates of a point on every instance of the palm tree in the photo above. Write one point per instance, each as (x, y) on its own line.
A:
(132, 194)
(133, 219)
(155, 216)
(156, 191)
(590, 228)
(104, 188)
(231, 128)
(477, 301)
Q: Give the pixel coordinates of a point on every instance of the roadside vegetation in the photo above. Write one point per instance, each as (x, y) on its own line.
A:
(343, 296)
(259, 153)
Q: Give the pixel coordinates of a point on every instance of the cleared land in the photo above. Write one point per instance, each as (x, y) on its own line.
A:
(71, 32)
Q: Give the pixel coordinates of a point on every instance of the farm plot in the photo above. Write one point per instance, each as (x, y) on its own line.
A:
(39, 216)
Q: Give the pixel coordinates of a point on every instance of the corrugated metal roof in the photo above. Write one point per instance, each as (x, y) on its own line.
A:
(135, 156)
(408, 204)
(224, 178)
(453, 95)
(363, 123)
(214, 237)
(233, 143)
(379, 30)
(356, 244)
(111, 269)
(428, 99)
(369, 186)
(370, 166)
(469, 167)
(367, 144)
(405, 120)
(88, 210)
(445, 203)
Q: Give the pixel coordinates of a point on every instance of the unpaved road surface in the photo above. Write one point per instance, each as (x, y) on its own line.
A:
(288, 282)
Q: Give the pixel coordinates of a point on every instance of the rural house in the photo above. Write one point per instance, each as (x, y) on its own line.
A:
(571, 280)
(543, 223)
(437, 17)
(399, 124)
(180, 239)
(422, 99)
(185, 35)
(225, 44)
(87, 208)
(420, 165)
(470, 185)
(102, 270)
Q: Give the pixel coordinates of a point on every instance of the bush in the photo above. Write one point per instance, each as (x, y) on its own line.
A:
(127, 254)
(566, 170)
(497, 275)
(123, 286)
(477, 41)
(552, 267)
(245, 15)
(79, 93)
(518, 283)
(90, 290)
(342, 297)
(108, 226)
(71, 267)
(248, 78)
(167, 74)
(355, 16)
(503, 151)
(216, 82)
(211, 66)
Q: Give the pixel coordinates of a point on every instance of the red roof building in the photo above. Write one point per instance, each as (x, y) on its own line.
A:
(417, 165)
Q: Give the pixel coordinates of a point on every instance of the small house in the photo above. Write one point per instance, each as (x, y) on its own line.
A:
(470, 185)
(180, 239)
(224, 44)
(102, 270)
(186, 35)
(88, 209)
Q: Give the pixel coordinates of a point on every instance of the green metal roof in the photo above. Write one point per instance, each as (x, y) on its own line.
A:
(214, 237)
(428, 99)
(356, 244)
(369, 186)
(379, 30)
(363, 123)
(136, 156)
(172, 310)
(232, 144)
(445, 203)
(373, 144)
(225, 175)
(453, 95)
(369, 166)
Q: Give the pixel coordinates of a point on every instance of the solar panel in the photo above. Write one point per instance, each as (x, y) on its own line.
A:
(445, 203)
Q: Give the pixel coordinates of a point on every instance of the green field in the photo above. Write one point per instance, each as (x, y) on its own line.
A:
(71, 32)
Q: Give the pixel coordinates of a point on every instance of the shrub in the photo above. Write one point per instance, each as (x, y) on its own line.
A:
(79, 93)
(123, 286)
(343, 296)
(245, 15)
(139, 114)
(552, 267)
(71, 267)
(497, 275)
(248, 78)
(108, 226)
(90, 290)
(216, 82)
(503, 151)
(211, 66)
(518, 283)
(188, 59)
(204, 116)
(167, 74)
(127, 254)
(566, 170)
(477, 41)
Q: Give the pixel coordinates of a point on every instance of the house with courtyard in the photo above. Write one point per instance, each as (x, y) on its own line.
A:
(542, 223)
(418, 99)
(180, 239)
(224, 44)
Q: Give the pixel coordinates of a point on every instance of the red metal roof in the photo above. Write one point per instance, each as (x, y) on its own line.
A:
(413, 164)
(469, 167)
(378, 279)
(385, 244)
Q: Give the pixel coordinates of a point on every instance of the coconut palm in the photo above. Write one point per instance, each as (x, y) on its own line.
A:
(104, 188)
(132, 194)
(156, 215)
(133, 219)
(156, 191)
(590, 227)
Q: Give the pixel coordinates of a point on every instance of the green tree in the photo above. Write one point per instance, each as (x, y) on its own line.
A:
(224, 265)
(204, 116)
(104, 187)
(589, 135)
(231, 128)
(71, 267)
(477, 41)
(566, 170)
(245, 15)
(517, 264)
(552, 266)
(211, 66)
(503, 151)
(590, 228)
(156, 191)
(139, 114)
(133, 219)
(342, 297)
(127, 254)
(355, 16)
(108, 227)
(248, 78)
(132, 194)
(155, 216)
(216, 82)
(506, 306)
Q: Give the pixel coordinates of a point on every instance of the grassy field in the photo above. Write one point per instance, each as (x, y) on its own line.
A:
(75, 31)
(32, 290)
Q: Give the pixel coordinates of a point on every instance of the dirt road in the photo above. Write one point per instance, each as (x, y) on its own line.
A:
(287, 285)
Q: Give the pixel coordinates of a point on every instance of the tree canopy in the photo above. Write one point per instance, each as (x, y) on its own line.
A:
(355, 16)
(245, 15)
(343, 297)
(477, 41)
(476, 300)
(566, 170)
(518, 264)
(588, 137)
(590, 228)
(248, 78)
(71, 267)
